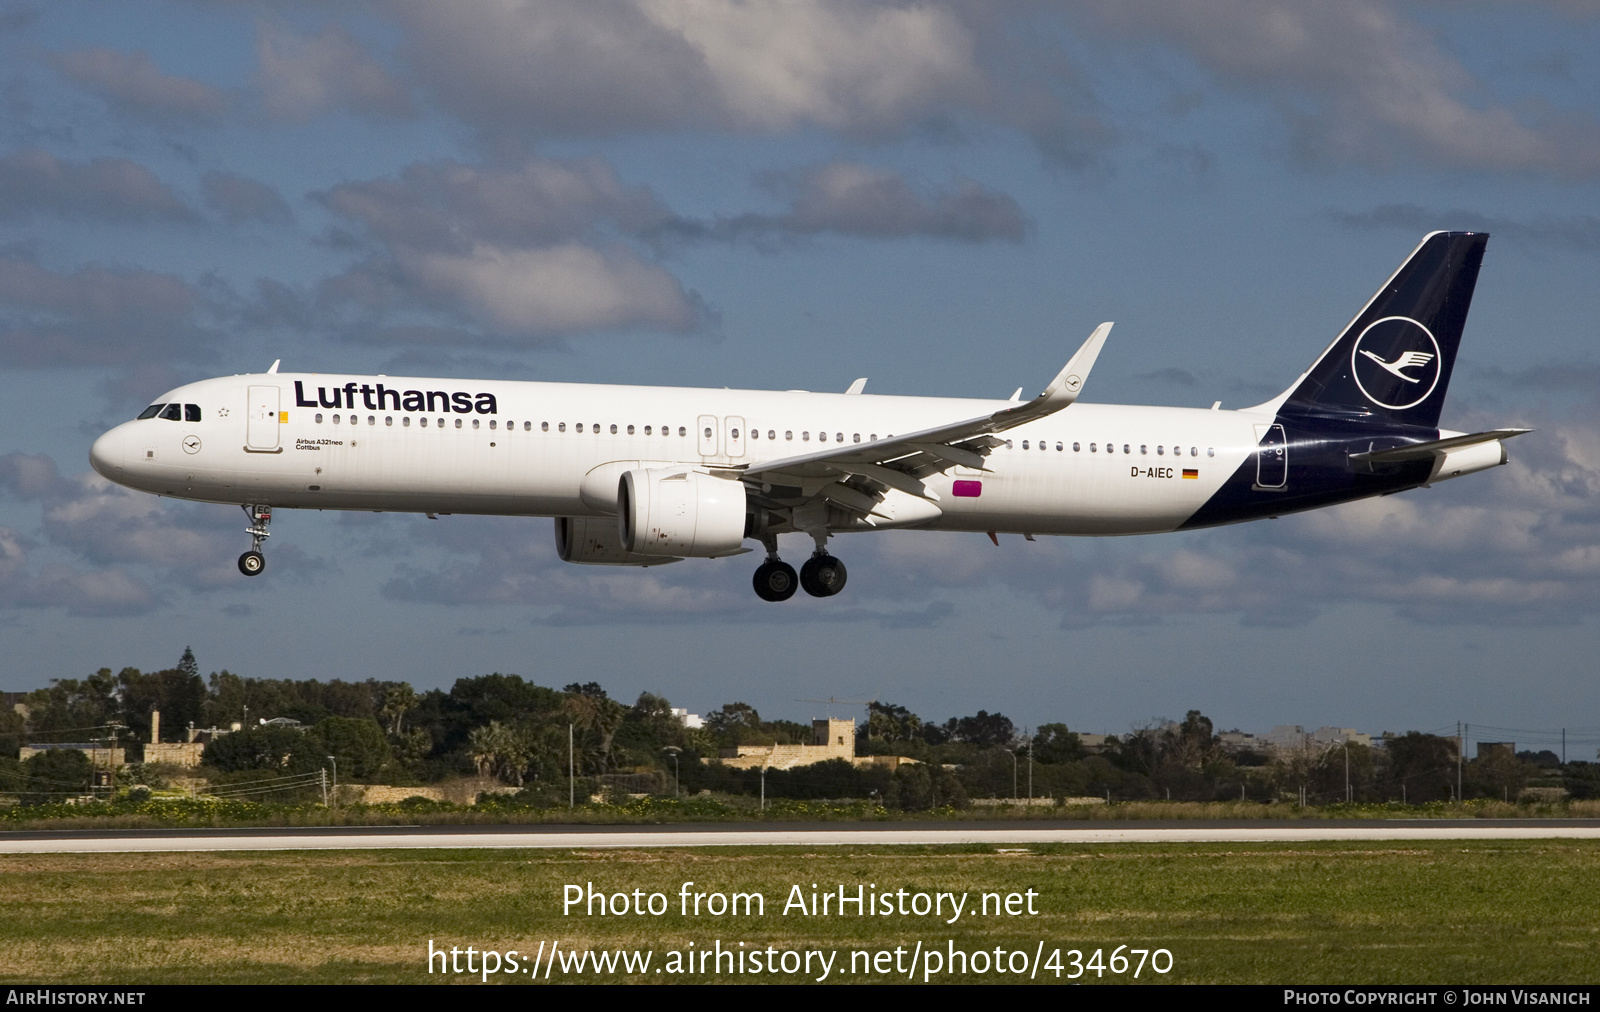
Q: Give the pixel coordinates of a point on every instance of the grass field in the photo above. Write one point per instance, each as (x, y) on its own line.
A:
(1452, 912)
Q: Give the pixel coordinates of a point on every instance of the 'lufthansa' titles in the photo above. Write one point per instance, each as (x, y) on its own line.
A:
(378, 397)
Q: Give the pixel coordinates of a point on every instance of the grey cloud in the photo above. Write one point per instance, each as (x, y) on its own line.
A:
(132, 84)
(939, 70)
(240, 199)
(603, 66)
(301, 76)
(96, 316)
(104, 189)
(110, 526)
(18, 17)
(529, 252)
(506, 565)
(858, 200)
(1358, 83)
(104, 593)
(449, 206)
(1170, 374)
(1579, 232)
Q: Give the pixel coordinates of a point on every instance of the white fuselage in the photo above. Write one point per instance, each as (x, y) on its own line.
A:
(526, 449)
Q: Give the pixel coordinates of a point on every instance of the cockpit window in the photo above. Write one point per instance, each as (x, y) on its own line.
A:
(151, 411)
(191, 412)
(172, 412)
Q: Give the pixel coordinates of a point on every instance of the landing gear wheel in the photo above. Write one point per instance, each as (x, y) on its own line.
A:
(822, 576)
(775, 581)
(252, 563)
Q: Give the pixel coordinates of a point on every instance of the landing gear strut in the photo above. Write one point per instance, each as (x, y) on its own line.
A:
(251, 563)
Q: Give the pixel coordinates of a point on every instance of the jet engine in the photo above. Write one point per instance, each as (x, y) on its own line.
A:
(592, 541)
(680, 512)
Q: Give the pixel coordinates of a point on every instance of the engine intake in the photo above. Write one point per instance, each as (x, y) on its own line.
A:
(680, 512)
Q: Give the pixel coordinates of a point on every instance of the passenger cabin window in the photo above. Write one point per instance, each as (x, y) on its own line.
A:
(788, 434)
(406, 421)
(613, 430)
(683, 430)
(150, 412)
(561, 426)
(458, 423)
(172, 412)
(319, 418)
(474, 423)
(630, 430)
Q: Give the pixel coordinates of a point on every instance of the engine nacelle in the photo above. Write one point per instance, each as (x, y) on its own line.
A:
(592, 541)
(680, 512)
(1468, 460)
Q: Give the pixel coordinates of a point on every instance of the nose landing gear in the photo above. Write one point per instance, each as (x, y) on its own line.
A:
(251, 563)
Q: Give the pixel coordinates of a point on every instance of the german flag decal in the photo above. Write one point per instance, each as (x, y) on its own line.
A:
(1191, 472)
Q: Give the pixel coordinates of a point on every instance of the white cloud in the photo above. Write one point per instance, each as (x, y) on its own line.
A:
(1359, 83)
(554, 290)
(602, 66)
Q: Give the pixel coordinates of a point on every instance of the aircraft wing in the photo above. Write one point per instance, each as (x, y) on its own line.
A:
(902, 461)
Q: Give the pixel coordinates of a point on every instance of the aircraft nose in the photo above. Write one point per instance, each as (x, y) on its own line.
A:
(107, 455)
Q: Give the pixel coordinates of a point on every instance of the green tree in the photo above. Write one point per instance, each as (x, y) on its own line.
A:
(1053, 743)
(179, 693)
(283, 750)
(893, 724)
(74, 707)
(54, 775)
(358, 743)
(1423, 764)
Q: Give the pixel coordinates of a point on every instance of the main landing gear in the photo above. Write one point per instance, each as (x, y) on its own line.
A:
(821, 576)
(251, 563)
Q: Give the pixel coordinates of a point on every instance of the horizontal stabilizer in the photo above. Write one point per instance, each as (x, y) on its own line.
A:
(1422, 451)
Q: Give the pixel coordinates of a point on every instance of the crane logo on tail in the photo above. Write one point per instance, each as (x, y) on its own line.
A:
(1396, 363)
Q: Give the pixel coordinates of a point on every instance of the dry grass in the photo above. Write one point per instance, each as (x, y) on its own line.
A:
(1510, 911)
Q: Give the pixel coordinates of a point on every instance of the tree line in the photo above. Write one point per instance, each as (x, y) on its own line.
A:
(530, 737)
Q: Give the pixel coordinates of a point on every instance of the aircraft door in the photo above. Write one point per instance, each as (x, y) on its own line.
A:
(734, 436)
(706, 432)
(261, 432)
(1272, 458)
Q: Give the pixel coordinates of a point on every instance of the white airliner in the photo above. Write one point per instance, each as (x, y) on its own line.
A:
(642, 476)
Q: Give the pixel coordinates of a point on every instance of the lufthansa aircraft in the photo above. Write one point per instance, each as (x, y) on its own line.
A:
(642, 476)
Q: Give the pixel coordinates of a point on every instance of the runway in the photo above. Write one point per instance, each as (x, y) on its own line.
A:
(783, 835)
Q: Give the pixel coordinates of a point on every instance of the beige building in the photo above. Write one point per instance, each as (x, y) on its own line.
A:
(100, 755)
(186, 753)
(830, 739)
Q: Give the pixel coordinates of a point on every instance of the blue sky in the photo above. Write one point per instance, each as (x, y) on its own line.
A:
(943, 196)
